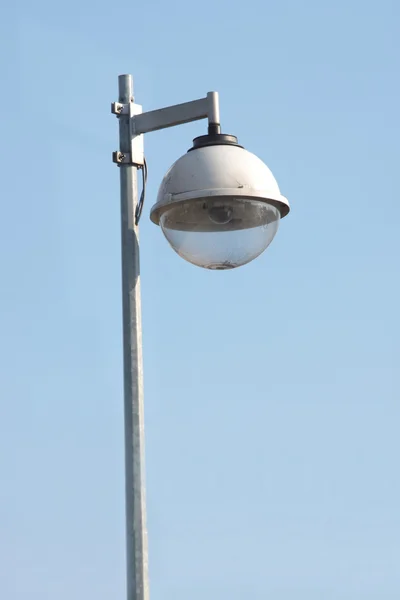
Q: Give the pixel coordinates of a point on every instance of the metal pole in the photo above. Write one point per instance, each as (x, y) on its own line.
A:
(136, 534)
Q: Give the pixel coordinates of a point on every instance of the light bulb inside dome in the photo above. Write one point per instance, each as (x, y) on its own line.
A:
(220, 215)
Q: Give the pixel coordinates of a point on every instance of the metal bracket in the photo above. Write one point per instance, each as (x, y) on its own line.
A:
(124, 158)
(119, 109)
(140, 122)
(121, 158)
(170, 116)
(136, 156)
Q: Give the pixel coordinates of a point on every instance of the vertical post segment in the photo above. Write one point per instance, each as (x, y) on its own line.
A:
(136, 533)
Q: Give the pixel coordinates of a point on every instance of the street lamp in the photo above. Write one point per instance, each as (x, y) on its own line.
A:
(219, 207)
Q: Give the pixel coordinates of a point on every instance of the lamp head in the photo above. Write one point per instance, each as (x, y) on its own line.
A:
(219, 206)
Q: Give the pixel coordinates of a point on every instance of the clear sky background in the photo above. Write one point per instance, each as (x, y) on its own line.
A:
(272, 391)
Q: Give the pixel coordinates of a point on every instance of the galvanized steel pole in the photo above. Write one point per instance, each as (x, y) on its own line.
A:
(136, 533)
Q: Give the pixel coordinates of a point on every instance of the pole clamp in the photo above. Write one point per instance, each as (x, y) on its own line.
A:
(124, 158)
(136, 155)
(117, 108)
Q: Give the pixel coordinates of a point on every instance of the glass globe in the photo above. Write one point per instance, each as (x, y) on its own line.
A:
(220, 233)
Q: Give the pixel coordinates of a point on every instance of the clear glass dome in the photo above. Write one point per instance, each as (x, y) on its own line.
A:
(220, 234)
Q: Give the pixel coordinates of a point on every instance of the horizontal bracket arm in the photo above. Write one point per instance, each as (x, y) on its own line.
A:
(178, 115)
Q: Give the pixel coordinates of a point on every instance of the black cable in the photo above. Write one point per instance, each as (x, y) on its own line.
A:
(139, 207)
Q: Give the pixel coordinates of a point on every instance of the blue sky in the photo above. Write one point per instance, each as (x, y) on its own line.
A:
(272, 391)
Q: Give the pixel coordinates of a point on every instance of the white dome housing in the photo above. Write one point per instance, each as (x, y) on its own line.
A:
(219, 206)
